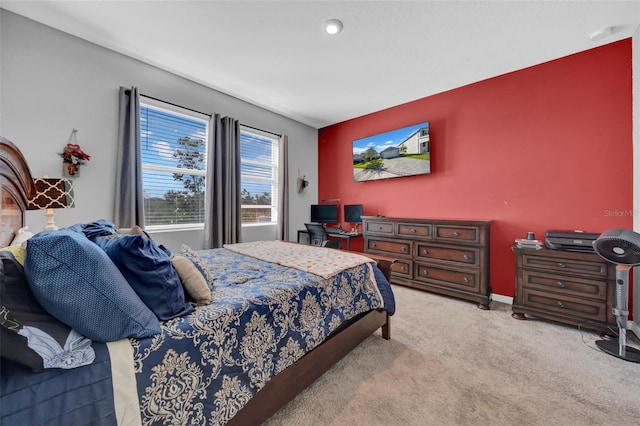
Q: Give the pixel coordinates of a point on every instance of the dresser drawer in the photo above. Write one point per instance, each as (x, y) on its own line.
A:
(564, 285)
(463, 234)
(402, 268)
(414, 230)
(389, 247)
(587, 309)
(565, 265)
(380, 228)
(467, 281)
(463, 256)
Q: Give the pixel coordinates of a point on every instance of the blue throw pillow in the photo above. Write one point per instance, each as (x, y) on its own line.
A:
(76, 282)
(148, 269)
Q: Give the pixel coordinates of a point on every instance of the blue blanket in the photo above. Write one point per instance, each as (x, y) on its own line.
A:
(81, 396)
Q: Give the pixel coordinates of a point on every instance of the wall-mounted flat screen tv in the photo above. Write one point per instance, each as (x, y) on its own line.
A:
(324, 213)
(398, 153)
(353, 213)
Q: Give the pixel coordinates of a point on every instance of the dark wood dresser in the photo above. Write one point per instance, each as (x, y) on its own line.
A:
(568, 287)
(449, 257)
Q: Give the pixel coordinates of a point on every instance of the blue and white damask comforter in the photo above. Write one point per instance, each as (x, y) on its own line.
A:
(204, 367)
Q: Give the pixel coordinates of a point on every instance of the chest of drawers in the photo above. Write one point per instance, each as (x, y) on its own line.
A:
(567, 287)
(449, 257)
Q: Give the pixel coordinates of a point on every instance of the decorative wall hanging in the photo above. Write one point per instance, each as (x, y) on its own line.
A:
(73, 157)
(302, 182)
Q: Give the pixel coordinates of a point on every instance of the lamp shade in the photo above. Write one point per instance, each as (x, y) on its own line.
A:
(52, 193)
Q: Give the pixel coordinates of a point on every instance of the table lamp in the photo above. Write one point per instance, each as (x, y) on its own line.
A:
(51, 193)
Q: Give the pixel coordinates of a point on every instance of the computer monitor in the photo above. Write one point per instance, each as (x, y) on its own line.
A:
(353, 213)
(324, 213)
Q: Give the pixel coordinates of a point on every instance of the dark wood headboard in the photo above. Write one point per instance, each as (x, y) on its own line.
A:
(17, 188)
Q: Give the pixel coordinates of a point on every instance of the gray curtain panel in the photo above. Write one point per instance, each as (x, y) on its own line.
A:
(129, 205)
(223, 224)
(283, 189)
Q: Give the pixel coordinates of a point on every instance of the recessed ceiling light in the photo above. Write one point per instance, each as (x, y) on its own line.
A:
(333, 26)
(601, 34)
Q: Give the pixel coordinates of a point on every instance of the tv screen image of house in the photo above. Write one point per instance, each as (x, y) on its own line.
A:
(353, 213)
(397, 153)
(324, 213)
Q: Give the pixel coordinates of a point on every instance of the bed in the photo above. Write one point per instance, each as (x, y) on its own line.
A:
(280, 315)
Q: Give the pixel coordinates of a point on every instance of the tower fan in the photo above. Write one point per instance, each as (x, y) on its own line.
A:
(621, 247)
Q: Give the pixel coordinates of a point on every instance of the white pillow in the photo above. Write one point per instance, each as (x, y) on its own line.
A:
(21, 237)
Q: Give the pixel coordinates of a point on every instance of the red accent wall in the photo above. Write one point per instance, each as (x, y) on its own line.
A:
(546, 147)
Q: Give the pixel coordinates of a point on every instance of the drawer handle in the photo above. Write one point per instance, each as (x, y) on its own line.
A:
(560, 284)
(425, 251)
(456, 234)
(413, 230)
(465, 257)
(379, 228)
(374, 245)
(404, 249)
(466, 280)
(560, 304)
(562, 265)
(403, 268)
(425, 272)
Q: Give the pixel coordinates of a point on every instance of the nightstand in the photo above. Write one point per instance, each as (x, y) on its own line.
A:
(569, 287)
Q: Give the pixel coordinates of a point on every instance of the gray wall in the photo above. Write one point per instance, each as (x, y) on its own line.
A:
(52, 82)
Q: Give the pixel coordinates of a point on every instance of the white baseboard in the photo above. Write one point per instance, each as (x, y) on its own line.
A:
(502, 299)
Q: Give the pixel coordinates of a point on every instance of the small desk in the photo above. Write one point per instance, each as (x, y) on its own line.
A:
(347, 237)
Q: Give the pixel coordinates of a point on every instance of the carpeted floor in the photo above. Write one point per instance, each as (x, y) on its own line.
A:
(449, 363)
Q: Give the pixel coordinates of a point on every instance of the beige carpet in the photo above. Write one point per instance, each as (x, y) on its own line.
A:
(449, 363)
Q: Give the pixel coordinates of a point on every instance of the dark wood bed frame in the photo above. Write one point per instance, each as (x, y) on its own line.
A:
(17, 187)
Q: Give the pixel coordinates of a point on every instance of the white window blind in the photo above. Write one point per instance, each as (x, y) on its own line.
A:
(174, 158)
(259, 170)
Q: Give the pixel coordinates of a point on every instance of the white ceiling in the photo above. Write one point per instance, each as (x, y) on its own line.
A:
(275, 54)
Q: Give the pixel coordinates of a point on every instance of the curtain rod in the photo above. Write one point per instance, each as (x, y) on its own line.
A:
(128, 92)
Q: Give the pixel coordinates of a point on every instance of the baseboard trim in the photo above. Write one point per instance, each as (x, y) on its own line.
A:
(502, 299)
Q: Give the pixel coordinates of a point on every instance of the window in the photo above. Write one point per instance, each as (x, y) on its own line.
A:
(174, 158)
(259, 170)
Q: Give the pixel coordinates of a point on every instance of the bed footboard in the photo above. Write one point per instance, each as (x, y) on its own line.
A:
(286, 385)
